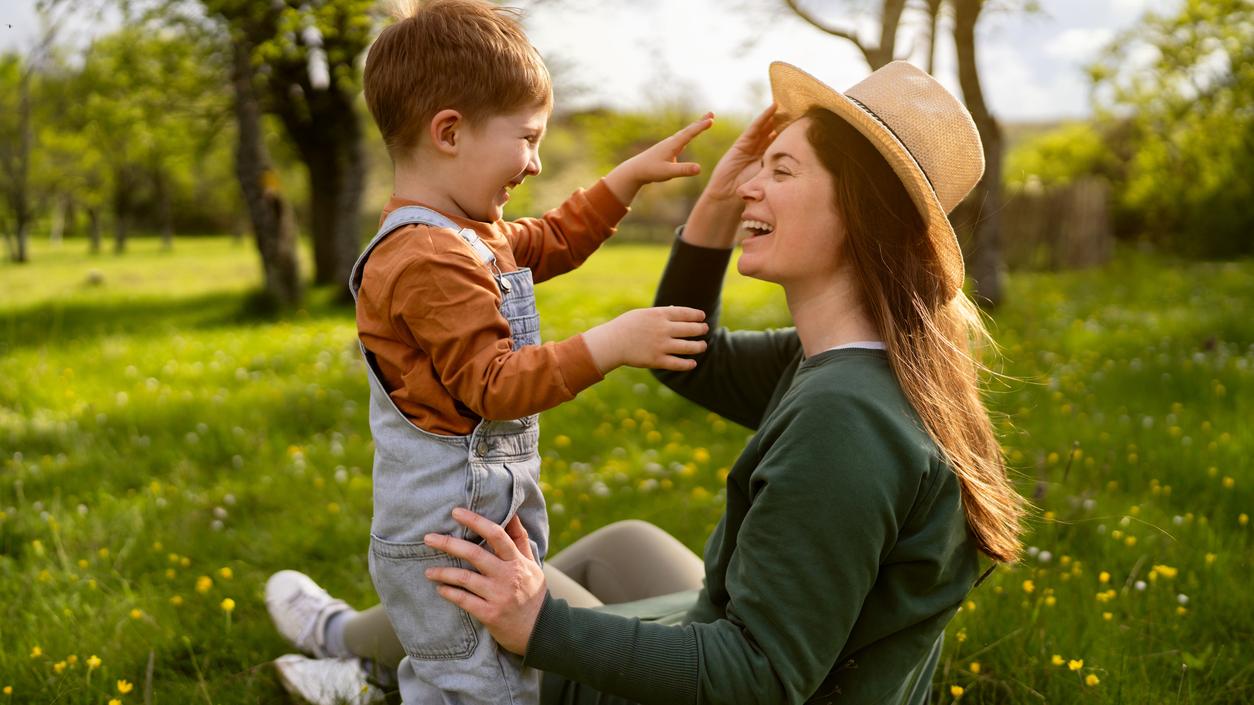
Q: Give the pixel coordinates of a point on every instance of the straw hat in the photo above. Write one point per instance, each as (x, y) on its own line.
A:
(924, 133)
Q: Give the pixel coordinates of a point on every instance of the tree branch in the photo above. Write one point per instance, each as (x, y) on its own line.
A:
(815, 22)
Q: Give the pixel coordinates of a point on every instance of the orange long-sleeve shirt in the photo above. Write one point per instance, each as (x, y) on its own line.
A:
(429, 310)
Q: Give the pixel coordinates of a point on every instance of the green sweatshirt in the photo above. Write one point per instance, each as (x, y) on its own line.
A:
(842, 554)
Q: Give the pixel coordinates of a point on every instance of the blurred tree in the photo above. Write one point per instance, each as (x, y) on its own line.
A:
(1058, 157)
(304, 65)
(151, 100)
(1175, 94)
(17, 75)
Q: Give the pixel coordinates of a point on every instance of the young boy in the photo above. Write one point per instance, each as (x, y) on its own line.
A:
(447, 321)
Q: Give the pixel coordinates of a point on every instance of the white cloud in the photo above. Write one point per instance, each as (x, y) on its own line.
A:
(1079, 45)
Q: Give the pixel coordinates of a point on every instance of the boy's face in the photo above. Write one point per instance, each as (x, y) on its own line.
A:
(497, 154)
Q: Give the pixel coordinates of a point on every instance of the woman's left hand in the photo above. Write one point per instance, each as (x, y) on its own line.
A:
(507, 592)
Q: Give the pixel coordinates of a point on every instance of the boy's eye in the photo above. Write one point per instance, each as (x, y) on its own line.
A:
(533, 139)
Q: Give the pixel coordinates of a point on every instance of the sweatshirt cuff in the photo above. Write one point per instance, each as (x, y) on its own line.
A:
(605, 204)
(574, 362)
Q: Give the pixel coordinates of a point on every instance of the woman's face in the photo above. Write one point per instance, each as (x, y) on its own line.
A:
(793, 231)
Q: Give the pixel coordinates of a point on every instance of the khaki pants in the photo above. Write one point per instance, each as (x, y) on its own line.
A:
(623, 562)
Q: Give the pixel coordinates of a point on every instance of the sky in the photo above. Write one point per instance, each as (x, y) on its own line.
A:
(714, 54)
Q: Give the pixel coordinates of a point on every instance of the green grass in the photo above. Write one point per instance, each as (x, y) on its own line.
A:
(153, 434)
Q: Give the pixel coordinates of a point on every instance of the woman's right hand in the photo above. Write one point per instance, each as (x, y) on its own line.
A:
(716, 216)
(741, 161)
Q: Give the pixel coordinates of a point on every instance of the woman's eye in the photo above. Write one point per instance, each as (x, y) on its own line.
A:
(782, 172)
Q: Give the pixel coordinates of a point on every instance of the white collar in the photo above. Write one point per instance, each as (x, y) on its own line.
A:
(867, 344)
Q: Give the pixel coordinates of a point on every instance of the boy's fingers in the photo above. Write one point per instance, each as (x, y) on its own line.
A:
(686, 347)
(684, 313)
(688, 133)
(689, 329)
(675, 364)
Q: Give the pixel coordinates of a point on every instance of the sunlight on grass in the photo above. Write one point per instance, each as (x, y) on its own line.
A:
(163, 452)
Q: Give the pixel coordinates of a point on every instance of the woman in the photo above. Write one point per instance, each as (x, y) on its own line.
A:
(856, 512)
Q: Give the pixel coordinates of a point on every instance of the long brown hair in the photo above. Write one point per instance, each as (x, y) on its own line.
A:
(931, 337)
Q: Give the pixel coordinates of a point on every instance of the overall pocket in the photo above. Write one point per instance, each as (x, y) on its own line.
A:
(495, 492)
(429, 627)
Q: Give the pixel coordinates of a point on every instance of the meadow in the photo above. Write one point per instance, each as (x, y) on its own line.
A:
(163, 451)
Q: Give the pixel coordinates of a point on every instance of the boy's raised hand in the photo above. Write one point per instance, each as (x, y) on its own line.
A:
(649, 337)
(657, 163)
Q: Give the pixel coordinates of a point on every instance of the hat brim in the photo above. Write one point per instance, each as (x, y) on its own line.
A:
(796, 91)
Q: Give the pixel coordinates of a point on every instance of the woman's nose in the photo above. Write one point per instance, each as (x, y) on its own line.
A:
(749, 190)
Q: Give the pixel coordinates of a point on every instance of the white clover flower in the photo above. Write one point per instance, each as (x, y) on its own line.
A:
(1139, 585)
(1182, 599)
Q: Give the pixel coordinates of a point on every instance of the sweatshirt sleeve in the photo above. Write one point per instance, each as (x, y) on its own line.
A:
(737, 374)
(824, 511)
(564, 237)
(448, 302)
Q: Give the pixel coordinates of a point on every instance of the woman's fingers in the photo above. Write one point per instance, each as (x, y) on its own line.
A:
(492, 532)
(475, 555)
(518, 534)
(462, 578)
(472, 603)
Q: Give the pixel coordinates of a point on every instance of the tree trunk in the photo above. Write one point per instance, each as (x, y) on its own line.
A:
(93, 217)
(331, 149)
(121, 215)
(20, 195)
(166, 212)
(980, 213)
(271, 216)
(933, 19)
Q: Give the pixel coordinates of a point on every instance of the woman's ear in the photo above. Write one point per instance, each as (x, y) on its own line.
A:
(445, 130)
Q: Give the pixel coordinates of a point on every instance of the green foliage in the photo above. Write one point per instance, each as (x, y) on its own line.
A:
(1058, 157)
(151, 434)
(1175, 93)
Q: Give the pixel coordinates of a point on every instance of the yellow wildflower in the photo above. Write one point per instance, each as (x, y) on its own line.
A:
(125, 686)
(103, 552)
(137, 613)
(228, 605)
(1243, 519)
(36, 652)
(1050, 601)
(93, 662)
(1164, 570)
(115, 701)
(72, 659)
(1103, 577)
(226, 573)
(8, 690)
(1056, 660)
(1091, 679)
(970, 605)
(1130, 541)
(1029, 586)
(1108, 616)
(1210, 558)
(176, 600)
(561, 441)
(59, 666)
(956, 691)
(203, 584)
(975, 667)
(1229, 482)
(1075, 664)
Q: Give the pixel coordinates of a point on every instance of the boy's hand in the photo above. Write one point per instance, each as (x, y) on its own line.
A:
(648, 337)
(657, 163)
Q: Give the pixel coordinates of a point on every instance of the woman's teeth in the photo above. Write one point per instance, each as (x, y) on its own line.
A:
(757, 227)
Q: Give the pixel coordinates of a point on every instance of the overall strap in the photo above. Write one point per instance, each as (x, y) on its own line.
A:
(417, 215)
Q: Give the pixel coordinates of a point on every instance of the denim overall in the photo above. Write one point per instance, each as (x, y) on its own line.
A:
(419, 477)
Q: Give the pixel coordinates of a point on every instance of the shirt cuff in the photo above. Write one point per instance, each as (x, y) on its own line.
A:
(605, 204)
(574, 361)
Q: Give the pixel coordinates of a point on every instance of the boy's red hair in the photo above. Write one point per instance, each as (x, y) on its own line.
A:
(468, 55)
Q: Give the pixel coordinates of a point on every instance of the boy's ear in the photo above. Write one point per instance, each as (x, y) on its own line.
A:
(445, 129)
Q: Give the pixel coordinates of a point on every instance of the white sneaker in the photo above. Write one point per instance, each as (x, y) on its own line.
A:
(327, 681)
(300, 609)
